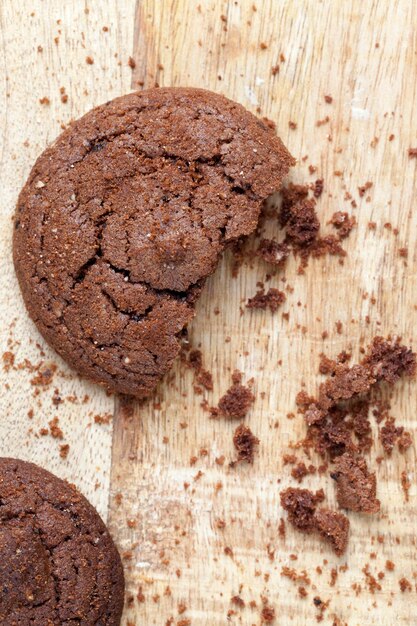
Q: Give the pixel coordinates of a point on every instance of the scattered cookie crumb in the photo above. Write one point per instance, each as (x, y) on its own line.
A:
(334, 527)
(236, 402)
(237, 601)
(301, 505)
(268, 614)
(203, 376)
(356, 486)
(364, 188)
(405, 585)
(55, 430)
(405, 484)
(271, 300)
(273, 252)
(343, 222)
(64, 450)
(325, 120)
(318, 188)
(245, 442)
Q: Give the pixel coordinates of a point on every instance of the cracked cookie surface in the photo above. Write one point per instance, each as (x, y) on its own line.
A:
(58, 563)
(123, 218)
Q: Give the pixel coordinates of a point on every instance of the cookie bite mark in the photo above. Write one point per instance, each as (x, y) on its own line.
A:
(123, 218)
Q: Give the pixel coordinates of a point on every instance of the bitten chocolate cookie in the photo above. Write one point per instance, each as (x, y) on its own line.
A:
(58, 563)
(124, 217)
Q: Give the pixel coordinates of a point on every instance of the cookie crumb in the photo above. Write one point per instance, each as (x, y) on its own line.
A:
(64, 449)
(245, 442)
(318, 188)
(271, 300)
(343, 222)
(355, 486)
(300, 505)
(273, 252)
(334, 527)
(405, 585)
(364, 188)
(268, 614)
(236, 402)
(203, 376)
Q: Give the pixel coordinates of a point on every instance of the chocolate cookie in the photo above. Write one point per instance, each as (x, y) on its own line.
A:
(124, 217)
(58, 563)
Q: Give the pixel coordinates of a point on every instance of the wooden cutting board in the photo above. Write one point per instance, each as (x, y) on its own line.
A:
(133, 468)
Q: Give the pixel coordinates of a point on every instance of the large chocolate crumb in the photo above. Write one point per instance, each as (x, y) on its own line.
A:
(340, 431)
(334, 527)
(356, 486)
(245, 442)
(291, 195)
(385, 360)
(302, 224)
(300, 505)
(332, 440)
(346, 383)
(388, 360)
(236, 402)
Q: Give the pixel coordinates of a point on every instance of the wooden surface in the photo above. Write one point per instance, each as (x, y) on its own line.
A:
(133, 469)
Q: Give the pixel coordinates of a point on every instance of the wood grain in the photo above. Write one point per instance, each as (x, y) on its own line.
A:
(27, 75)
(364, 56)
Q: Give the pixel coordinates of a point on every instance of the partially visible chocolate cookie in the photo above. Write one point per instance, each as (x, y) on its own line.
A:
(58, 563)
(123, 218)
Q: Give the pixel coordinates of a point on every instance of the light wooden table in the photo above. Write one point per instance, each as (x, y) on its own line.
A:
(363, 54)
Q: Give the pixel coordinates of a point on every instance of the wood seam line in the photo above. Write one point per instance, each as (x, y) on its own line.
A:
(124, 404)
